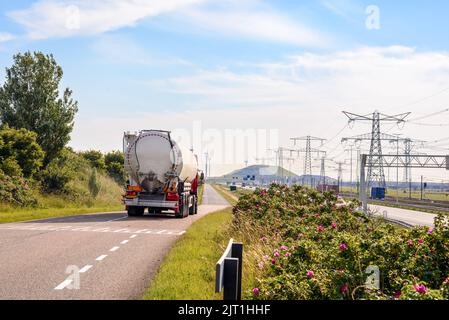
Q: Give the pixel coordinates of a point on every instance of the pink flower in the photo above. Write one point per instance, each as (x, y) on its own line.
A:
(276, 254)
(263, 239)
(334, 225)
(420, 241)
(265, 257)
(257, 205)
(287, 254)
(256, 291)
(410, 243)
(397, 294)
(343, 247)
(446, 281)
(420, 288)
(261, 265)
(320, 229)
(344, 289)
(310, 274)
(430, 231)
(273, 261)
(284, 248)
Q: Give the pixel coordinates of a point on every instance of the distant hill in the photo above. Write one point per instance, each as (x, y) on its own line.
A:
(266, 174)
(261, 171)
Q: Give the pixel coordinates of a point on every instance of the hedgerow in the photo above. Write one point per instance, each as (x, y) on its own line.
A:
(308, 245)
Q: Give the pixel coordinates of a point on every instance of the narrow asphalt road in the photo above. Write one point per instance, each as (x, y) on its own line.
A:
(410, 217)
(93, 256)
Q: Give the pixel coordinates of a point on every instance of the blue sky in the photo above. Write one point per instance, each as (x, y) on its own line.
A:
(235, 64)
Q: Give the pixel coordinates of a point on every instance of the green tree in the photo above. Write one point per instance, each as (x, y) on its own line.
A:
(59, 172)
(114, 166)
(20, 154)
(30, 99)
(95, 158)
(94, 184)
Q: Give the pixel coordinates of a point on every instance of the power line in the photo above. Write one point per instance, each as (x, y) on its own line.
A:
(429, 115)
(423, 99)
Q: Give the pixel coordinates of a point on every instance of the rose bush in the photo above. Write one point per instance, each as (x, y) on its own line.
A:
(308, 245)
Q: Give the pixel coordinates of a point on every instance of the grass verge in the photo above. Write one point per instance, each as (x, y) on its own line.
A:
(8, 215)
(188, 271)
(228, 195)
(200, 194)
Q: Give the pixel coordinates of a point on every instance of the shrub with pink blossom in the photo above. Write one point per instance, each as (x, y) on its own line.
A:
(313, 259)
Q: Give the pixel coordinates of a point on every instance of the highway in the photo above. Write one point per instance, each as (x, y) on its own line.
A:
(92, 256)
(409, 217)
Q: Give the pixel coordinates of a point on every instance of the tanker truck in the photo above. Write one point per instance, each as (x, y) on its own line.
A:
(162, 175)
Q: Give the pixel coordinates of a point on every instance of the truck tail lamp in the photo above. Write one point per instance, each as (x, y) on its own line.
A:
(130, 194)
(172, 197)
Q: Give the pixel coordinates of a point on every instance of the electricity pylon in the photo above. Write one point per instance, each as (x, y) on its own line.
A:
(308, 151)
(376, 170)
(409, 146)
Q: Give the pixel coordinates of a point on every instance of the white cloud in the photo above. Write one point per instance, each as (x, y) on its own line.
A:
(63, 18)
(257, 24)
(301, 95)
(5, 36)
(249, 19)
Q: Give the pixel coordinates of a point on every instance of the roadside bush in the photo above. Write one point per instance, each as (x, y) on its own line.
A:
(15, 191)
(59, 172)
(114, 166)
(94, 184)
(20, 154)
(307, 245)
(95, 159)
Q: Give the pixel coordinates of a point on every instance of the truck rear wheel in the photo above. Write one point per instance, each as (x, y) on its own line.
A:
(181, 208)
(194, 208)
(186, 207)
(135, 211)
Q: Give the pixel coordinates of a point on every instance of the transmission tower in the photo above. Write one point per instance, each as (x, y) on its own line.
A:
(409, 146)
(308, 151)
(376, 175)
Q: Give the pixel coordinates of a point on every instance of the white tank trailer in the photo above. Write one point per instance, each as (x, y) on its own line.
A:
(162, 175)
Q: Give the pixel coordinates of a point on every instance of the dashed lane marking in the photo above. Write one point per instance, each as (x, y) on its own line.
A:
(133, 236)
(114, 249)
(63, 284)
(85, 268)
(124, 242)
(50, 227)
(101, 257)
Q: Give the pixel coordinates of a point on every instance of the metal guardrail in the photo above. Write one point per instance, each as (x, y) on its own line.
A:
(228, 272)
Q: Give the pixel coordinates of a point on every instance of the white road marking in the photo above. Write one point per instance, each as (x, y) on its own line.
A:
(124, 242)
(117, 219)
(85, 268)
(101, 257)
(64, 284)
(70, 228)
(114, 249)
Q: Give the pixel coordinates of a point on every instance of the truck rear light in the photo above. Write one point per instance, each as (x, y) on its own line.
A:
(131, 194)
(172, 197)
(134, 188)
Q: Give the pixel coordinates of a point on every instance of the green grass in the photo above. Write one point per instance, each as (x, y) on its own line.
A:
(404, 193)
(8, 215)
(225, 193)
(188, 272)
(200, 194)
(52, 205)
